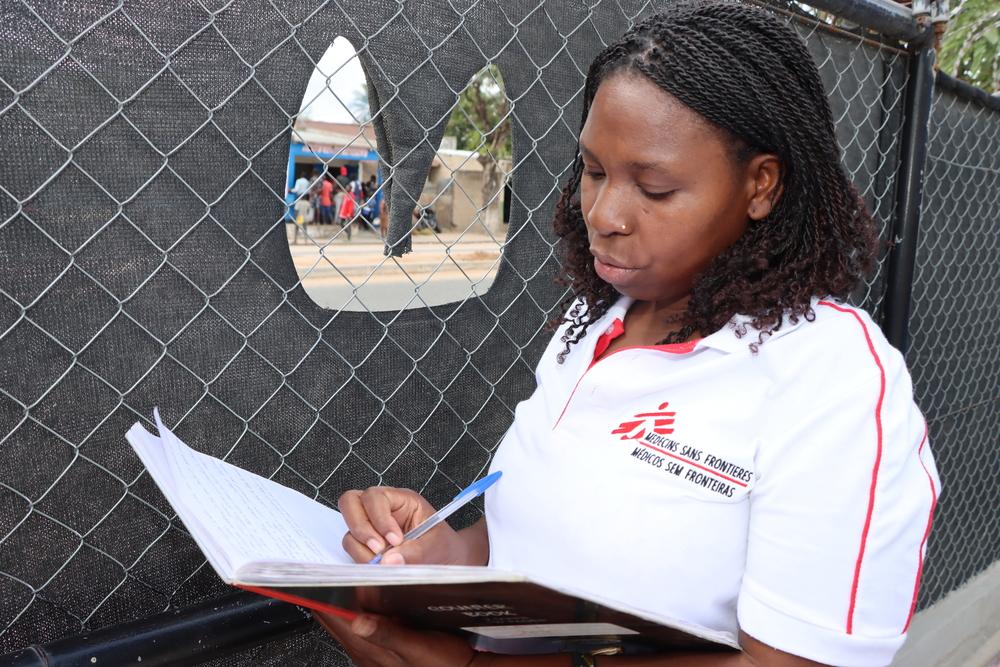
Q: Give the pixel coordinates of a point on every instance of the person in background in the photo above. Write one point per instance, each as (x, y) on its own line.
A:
(316, 182)
(326, 202)
(301, 187)
(303, 216)
(343, 178)
(340, 189)
(367, 202)
(301, 204)
(383, 218)
(349, 206)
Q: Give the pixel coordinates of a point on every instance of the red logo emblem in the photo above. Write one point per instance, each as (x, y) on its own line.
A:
(660, 422)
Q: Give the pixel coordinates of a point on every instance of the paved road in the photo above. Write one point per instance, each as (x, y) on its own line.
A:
(355, 275)
(377, 296)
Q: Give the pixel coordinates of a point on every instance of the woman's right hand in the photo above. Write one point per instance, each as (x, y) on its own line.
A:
(379, 516)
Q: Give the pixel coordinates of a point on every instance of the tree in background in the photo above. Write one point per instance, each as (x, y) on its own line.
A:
(970, 49)
(358, 104)
(480, 122)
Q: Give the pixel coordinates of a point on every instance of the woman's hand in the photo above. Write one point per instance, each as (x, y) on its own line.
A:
(378, 517)
(375, 641)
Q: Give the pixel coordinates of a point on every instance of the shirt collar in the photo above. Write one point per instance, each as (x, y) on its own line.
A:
(725, 339)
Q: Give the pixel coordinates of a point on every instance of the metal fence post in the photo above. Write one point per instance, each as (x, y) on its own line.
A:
(902, 255)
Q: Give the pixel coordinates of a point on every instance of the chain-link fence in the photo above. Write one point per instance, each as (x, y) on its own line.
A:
(955, 351)
(146, 262)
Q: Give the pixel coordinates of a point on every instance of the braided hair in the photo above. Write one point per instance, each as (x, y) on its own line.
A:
(753, 79)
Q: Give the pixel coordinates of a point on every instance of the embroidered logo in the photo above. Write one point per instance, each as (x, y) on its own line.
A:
(649, 437)
(660, 422)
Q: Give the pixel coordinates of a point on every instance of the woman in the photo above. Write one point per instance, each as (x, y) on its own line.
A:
(714, 436)
(348, 207)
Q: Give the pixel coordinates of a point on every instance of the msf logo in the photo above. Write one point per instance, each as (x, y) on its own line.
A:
(659, 422)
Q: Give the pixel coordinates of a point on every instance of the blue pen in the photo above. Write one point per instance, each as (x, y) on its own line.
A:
(464, 496)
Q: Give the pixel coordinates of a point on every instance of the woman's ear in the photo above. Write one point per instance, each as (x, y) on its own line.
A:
(764, 185)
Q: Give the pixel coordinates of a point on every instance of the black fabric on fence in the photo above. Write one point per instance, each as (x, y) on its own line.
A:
(145, 263)
(954, 355)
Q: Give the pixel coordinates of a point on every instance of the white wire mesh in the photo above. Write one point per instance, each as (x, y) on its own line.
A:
(145, 262)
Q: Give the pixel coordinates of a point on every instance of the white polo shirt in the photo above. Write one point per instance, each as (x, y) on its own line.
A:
(787, 493)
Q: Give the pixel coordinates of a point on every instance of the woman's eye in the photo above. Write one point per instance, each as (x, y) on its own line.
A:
(658, 195)
(592, 174)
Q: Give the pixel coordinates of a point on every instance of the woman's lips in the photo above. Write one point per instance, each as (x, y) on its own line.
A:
(611, 272)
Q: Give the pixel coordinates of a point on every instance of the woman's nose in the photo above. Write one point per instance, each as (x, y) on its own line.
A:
(608, 212)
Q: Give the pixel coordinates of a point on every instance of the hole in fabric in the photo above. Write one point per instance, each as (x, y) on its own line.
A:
(336, 203)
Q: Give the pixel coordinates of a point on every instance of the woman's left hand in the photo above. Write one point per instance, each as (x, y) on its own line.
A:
(376, 641)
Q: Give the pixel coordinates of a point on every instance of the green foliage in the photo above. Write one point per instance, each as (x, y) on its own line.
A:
(358, 104)
(970, 49)
(481, 120)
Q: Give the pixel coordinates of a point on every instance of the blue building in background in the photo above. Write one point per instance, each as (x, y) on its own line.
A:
(317, 145)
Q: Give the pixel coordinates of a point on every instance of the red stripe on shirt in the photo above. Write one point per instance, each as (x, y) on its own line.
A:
(568, 400)
(875, 467)
(927, 531)
(616, 329)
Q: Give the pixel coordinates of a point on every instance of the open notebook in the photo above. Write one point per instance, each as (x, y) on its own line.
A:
(270, 539)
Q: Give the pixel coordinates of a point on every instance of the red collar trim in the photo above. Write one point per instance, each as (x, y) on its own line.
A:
(617, 328)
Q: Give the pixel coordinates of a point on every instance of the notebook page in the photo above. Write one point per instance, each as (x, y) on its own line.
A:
(250, 517)
(151, 452)
(282, 574)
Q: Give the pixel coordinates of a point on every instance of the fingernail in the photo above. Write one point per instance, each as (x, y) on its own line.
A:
(375, 545)
(393, 539)
(363, 626)
(393, 558)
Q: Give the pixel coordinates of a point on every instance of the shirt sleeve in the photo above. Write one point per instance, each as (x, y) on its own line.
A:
(840, 512)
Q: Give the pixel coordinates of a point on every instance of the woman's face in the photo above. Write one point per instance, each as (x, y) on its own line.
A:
(661, 194)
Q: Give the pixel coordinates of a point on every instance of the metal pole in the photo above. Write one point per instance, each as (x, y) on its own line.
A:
(178, 638)
(885, 16)
(902, 256)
